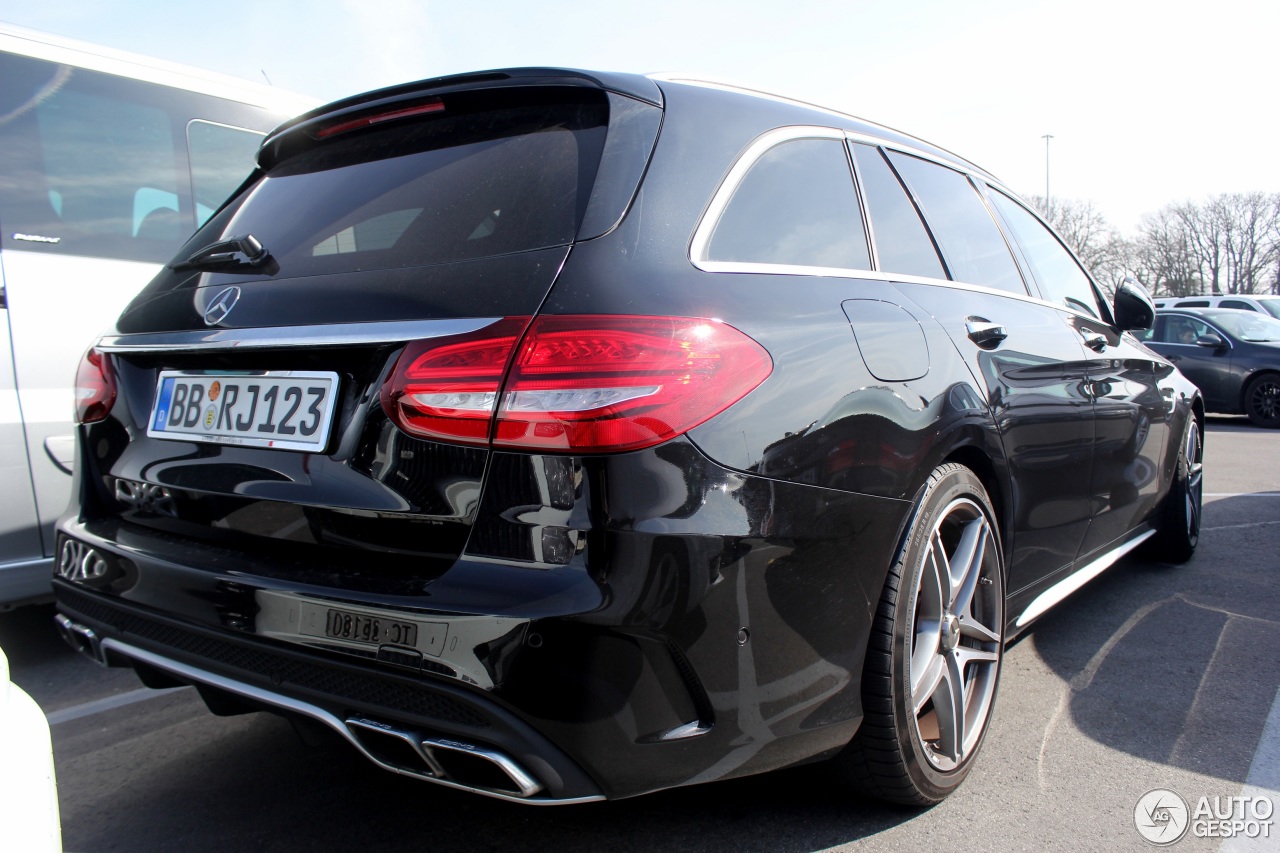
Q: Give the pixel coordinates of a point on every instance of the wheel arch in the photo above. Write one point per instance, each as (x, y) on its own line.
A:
(1243, 400)
(984, 467)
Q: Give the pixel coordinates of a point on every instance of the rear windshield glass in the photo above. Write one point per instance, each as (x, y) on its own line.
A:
(491, 173)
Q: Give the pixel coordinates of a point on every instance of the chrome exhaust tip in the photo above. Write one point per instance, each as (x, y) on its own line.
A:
(82, 638)
(439, 759)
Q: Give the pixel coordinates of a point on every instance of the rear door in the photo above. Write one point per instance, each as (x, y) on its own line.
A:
(1175, 337)
(1030, 364)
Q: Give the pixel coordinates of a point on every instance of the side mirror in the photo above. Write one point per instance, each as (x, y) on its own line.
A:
(1210, 340)
(1133, 309)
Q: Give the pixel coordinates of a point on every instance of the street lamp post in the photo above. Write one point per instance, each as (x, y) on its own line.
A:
(1048, 206)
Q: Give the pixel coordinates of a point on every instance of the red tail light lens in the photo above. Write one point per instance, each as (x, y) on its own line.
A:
(95, 387)
(576, 383)
(592, 383)
(447, 388)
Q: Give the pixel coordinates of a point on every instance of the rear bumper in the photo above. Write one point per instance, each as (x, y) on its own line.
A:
(699, 628)
(439, 733)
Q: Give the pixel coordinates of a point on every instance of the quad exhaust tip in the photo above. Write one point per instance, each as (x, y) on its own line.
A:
(82, 638)
(480, 769)
(439, 759)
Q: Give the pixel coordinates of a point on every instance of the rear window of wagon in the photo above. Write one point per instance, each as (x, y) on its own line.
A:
(491, 173)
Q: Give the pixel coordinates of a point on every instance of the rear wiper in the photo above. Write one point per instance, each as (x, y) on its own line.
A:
(227, 255)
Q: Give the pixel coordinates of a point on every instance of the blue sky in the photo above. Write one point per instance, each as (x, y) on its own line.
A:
(1148, 102)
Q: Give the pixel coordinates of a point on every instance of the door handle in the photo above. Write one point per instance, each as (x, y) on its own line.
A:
(1094, 341)
(985, 334)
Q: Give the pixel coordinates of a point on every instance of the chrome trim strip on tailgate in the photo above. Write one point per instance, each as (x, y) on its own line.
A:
(332, 335)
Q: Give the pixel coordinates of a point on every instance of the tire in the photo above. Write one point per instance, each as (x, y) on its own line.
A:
(1262, 400)
(1178, 531)
(936, 644)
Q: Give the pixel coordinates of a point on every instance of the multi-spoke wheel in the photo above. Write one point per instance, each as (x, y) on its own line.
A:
(1262, 401)
(930, 679)
(1179, 525)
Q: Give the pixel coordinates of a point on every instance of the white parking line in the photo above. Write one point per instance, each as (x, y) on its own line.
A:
(1242, 494)
(97, 706)
(1263, 781)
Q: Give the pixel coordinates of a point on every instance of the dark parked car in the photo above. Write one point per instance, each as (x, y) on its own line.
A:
(562, 436)
(1232, 356)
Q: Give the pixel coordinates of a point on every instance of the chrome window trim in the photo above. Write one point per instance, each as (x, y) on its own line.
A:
(338, 334)
(867, 225)
(724, 193)
(721, 86)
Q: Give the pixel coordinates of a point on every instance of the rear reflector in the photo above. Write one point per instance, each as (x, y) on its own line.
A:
(95, 387)
(576, 383)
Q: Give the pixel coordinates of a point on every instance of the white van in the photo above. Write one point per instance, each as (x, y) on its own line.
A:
(1265, 304)
(108, 161)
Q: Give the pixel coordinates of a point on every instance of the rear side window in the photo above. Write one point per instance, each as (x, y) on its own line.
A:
(1193, 303)
(97, 165)
(903, 246)
(1061, 279)
(489, 173)
(970, 239)
(797, 205)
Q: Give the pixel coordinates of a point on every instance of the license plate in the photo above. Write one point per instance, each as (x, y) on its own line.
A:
(374, 630)
(287, 410)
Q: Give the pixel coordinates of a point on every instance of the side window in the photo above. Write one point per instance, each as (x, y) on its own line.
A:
(221, 158)
(99, 165)
(1193, 303)
(1061, 279)
(88, 164)
(903, 245)
(970, 239)
(1236, 303)
(796, 205)
(1178, 329)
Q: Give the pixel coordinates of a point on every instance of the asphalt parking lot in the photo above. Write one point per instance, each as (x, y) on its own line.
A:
(1151, 677)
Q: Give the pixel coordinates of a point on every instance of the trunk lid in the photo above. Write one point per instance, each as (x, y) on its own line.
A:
(419, 213)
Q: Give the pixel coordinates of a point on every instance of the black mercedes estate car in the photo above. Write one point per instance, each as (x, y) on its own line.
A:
(563, 436)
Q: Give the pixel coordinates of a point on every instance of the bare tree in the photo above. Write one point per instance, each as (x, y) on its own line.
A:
(1162, 257)
(1233, 237)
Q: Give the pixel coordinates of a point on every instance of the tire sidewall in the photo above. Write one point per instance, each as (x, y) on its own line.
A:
(1255, 417)
(949, 483)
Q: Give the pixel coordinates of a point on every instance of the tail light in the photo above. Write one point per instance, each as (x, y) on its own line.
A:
(446, 388)
(95, 387)
(574, 383)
